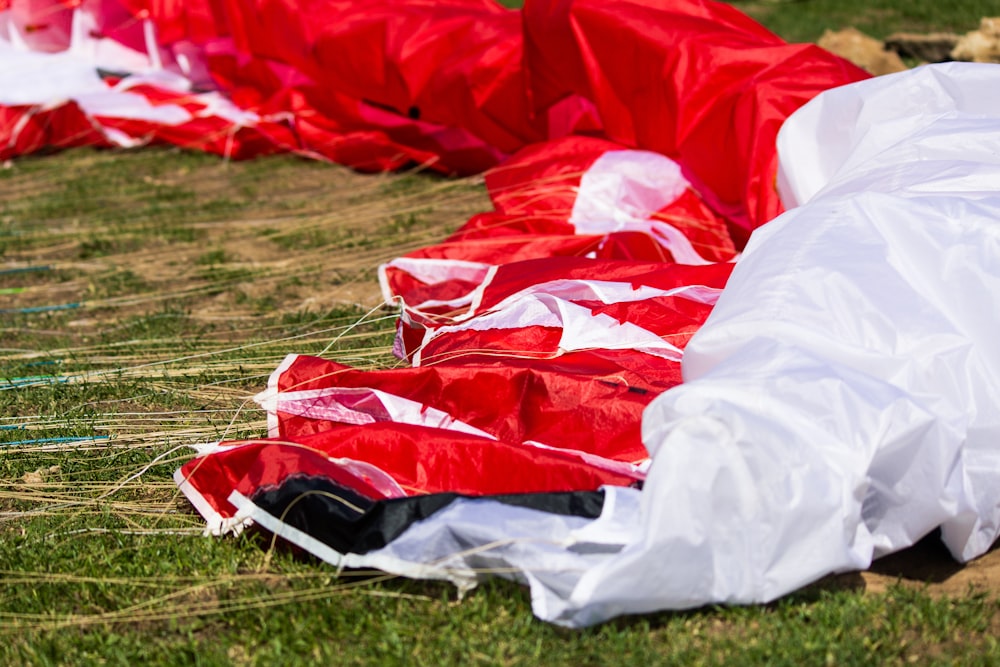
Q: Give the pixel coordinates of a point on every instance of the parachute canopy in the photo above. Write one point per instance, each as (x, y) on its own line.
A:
(613, 391)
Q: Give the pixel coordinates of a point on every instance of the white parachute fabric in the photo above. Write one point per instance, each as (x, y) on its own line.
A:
(841, 400)
(902, 235)
(839, 404)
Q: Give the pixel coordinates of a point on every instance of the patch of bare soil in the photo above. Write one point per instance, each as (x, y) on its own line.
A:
(929, 566)
(981, 45)
(885, 57)
(866, 52)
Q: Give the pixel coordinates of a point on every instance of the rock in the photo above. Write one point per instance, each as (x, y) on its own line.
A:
(980, 46)
(866, 52)
(933, 47)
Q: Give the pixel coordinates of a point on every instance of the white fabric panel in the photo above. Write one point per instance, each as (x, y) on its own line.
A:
(113, 104)
(622, 186)
(103, 52)
(49, 80)
(430, 271)
(622, 189)
(29, 78)
(82, 48)
(579, 328)
(475, 538)
(605, 291)
(912, 125)
(360, 405)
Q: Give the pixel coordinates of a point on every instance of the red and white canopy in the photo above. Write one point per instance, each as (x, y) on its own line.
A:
(615, 393)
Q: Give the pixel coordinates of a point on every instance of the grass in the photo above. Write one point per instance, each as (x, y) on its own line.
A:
(145, 297)
(402, 624)
(805, 20)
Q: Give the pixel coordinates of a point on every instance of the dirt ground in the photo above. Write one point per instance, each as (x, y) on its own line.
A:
(929, 566)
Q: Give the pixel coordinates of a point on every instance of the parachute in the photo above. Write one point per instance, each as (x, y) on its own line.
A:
(726, 330)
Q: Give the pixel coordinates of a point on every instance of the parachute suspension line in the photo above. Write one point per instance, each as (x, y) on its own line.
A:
(142, 471)
(236, 414)
(118, 531)
(362, 320)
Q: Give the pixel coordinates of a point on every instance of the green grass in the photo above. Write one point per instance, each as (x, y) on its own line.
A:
(805, 20)
(189, 279)
(305, 615)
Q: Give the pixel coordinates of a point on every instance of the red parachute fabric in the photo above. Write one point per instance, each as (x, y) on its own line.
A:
(571, 408)
(27, 129)
(545, 326)
(697, 81)
(461, 84)
(462, 463)
(630, 151)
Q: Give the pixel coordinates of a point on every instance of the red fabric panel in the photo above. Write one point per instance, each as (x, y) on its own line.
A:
(25, 130)
(510, 279)
(427, 460)
(577, 406)
(460, 86)
(421, 460)
(673, 319)
(253, 464)
(452, 63)
(515, 277)
(697, 81)
(707, 232)
(493, 250)
(542, 179)
(45, 25)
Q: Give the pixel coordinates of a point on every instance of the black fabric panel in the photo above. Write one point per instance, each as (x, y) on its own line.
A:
(586, 504)
(316, 506)
(349, 523)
